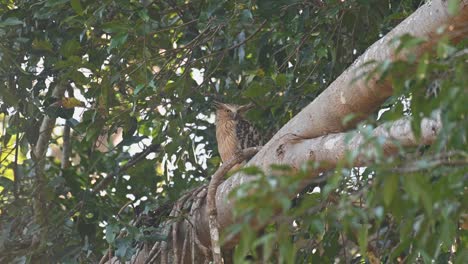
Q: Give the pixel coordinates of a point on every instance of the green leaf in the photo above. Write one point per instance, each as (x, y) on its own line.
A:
(7, 96)
(6, 183)
(285, 202)
(322, 52)
(76, 5)
(256, 89)
(453, 7)
(72, 122)
(65, 113)
(78, 77)
(462, 256)
(246, 16)
(138, 88)
(362, 239)
(111, 233)
(56, 3)
(444, 49)
(349, 118)
(117, 41)
(248, 237)
(71, 47)
(115, 27)
(143, 14)
(11, 21)
(407, 42)
(412, 187)
(416, 121)
(42, 45)
(70, 62)
(124, 248)
(281, 80)
(390, 187)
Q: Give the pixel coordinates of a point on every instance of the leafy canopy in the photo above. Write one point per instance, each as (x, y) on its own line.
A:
(148, 70)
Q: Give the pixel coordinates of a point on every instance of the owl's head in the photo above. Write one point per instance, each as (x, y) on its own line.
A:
(231, 111)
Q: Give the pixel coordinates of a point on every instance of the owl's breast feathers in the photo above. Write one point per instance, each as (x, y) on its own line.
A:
(227, 139)
(247, 135)
(235, 135)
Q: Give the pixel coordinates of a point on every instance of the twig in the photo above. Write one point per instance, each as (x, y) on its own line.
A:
(431, 165)
(192, 244)
(175, 214)
(235, 46)
(154, 252)
(7, 155)
(175, 230)
(216, 180)
(296, 50)
(123, 207)
(109, 251)
(47, 125)
(184, 247)
(134, 258)
(174, 27)
(157, 251)
(344, 248)
(66, 147)
(208, 76)
(442, 159)
(15, 169)
(164, 253)
(135, 159)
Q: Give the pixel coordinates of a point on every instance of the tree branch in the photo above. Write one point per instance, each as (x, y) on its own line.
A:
(38, 154)
(329, 150)
(216, 180)
(446, 159)
(66, 147)
(45, 131)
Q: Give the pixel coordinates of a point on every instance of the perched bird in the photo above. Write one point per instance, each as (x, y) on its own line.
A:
(233, 132)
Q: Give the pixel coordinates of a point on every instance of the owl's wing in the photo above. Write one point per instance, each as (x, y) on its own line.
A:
(247, 135)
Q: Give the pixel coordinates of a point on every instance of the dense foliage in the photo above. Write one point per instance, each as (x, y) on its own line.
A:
(147, 72)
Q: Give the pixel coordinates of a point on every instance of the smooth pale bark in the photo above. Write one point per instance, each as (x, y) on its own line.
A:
(343, 97)
(331, 149)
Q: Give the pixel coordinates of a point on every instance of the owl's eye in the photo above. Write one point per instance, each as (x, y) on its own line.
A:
(228, 111)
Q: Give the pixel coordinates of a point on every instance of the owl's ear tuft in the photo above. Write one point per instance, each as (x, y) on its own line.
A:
(217, 104)
(245, 108)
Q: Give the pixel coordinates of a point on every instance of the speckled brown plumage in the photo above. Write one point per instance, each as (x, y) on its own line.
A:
(233, 132)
